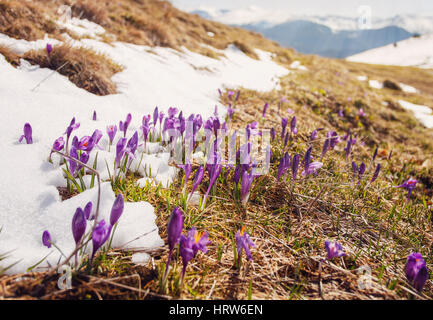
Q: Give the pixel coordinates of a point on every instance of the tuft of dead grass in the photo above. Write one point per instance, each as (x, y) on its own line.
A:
(85, 68)
(10, 56)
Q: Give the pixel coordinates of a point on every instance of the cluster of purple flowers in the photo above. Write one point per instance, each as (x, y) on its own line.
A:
(101, 231)
(189, 245)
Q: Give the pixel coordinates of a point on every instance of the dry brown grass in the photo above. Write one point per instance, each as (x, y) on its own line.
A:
(11, 56)
(145, 22)
(85, 68)
(26, 19)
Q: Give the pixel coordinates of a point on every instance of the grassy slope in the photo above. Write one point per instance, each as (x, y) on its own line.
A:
(289, 224)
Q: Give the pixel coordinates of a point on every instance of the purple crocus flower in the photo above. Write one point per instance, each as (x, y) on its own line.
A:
(111, 131)
(284, 123)
(325, 148)
(375, 153)
(334, 249)
(99, 237)
(286, 139)
(84, 158)
(187, 169)
(312, 168)
(58, 145)
(198, 178)
(314, 135)
(78, 225)
(46, 239)
(172, 112)
(120, 149)
(348, 147)
(247, 180)
(174, 230)
(49, 48)
(161, 117)
(237, 175)
(132, 145)
(88, 209)
(265, 109)
(190, 245)
(354, 169)
(94, 118)
(155, 116)
(237, 95)
(243, 242)
(230, 95)
(333, 138)
(307, 158)
(293, 127)
(230, 112)
(117, 209)
(376, 173)
(341, 113)
(409, 185)
(73, 164)
(416, 271)
(123, 126)
(27, 134)
(72, 126)
(215, 170)
(273, 134)
(283, 166)
(362, 113)
(361, 171)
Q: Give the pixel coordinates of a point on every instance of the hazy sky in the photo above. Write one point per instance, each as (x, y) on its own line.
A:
(381, 8)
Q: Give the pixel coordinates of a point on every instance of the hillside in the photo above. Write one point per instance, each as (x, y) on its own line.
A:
(165, 77)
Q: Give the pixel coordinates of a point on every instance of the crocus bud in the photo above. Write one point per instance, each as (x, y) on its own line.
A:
(46, 239)
(334, 249)
(376, 173)
(416, 271)
(243, 242)
(174, 227)
(265, 109)
(78, 225)
(49, 48)
(27, 134)
(111, 131)
(284, 123)
(117, 209)
(293, 128)
(59, 144)
(99, 237)
(273, 134)
(94, 116)
(199, 174)
(88, 209)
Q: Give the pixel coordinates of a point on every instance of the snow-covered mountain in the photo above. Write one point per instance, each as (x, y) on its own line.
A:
(251, 15)
(330, 36)
(416, 52)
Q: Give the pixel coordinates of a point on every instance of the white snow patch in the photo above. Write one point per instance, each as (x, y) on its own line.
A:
(407, 88)
(362, 78)
(375, 84)
(82, 27)
(423, 113)
(416, 52)
(298, 66)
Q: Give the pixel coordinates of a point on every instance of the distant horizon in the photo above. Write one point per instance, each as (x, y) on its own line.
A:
(345, 8)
